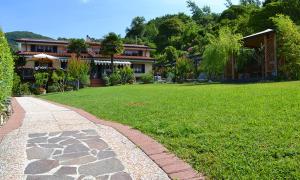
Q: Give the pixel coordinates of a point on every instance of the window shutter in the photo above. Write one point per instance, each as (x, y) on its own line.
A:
(143, 68)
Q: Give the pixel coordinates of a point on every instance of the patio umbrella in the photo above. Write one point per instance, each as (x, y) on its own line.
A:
(43, 57)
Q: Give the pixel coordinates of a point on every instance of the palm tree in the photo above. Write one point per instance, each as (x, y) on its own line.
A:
(111, 45)
(77, 46)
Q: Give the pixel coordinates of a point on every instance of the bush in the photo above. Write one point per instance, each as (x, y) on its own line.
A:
(41, 79)
(69, 88)
(53, 88)
(6, 69)
(115, 79)
(106, 80)
(184, 68)
(59, 78)
(24, 89)
(16, 85)
(170, 77)
(147, 78)
(78, 70)
(127, 75)
(20, 89)
(85, 80)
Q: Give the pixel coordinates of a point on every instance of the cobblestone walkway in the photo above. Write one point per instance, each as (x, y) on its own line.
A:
(57, 143)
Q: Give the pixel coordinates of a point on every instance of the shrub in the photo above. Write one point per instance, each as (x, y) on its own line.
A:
(147, 78)
(6, 68)
(184, 67)
(16, 85)
(77, 69)
(106, 80)
(41, 79)
(69, 88)
(288, 46)
(24, 89)
(58, 77)
(85, 80)
(170, 77)
(53, 88)
(127, 75)
(115, 79)
(20, 89)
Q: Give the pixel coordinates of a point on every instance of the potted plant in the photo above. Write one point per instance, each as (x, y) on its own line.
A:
(41, 80)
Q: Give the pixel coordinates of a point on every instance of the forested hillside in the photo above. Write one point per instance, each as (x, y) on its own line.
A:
(12, 36)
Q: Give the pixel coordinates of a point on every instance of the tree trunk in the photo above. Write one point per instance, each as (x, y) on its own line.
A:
(232, 67)
(112, 63)
(77, 84)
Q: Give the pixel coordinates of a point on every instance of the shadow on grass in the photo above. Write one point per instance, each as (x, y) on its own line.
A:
(228, 83)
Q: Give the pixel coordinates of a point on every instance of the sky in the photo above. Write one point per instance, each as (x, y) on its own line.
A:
(78, 18)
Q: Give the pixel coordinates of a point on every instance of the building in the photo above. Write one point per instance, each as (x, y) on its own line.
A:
(135, 56)
(264, 65)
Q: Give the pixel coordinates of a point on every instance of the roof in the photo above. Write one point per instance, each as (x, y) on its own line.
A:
(259, 33)
(42, 41)
(67, 42)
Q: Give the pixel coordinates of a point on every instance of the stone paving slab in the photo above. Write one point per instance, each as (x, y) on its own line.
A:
(48, 145)
(71, 154)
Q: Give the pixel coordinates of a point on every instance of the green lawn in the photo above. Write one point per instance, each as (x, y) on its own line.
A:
(226, 131)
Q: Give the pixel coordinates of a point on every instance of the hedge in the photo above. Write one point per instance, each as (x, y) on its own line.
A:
(6, 69)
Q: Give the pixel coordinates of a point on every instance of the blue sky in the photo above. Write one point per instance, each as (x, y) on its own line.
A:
(78, 18)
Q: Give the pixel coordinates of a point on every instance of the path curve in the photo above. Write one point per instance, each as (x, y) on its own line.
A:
(55, 142)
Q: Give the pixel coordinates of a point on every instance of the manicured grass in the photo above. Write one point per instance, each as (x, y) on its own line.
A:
(226, 131)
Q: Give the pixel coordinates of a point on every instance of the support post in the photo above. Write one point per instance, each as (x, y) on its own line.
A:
(266, 56)
(232, 67)
(275, 55)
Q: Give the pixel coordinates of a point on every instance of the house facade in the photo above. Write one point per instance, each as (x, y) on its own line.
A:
(135, 56)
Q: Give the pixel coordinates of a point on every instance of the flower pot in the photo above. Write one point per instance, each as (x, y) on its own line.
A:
(42, 90)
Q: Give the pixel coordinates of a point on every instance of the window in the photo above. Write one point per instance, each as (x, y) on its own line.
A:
(33, 48)
(41, 48)
(64, 65)
(133, 53)
(138, 68)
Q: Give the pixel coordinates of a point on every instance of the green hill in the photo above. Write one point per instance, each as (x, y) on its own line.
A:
(12, 36)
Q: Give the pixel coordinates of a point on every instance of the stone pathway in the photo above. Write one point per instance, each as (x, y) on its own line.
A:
(57, 143)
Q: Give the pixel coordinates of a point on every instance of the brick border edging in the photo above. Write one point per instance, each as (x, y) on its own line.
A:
(174, 167)
(14, 121)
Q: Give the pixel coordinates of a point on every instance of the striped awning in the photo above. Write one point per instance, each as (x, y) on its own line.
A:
(98, 62)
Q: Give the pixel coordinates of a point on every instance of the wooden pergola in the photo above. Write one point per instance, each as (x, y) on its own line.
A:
(265, 40)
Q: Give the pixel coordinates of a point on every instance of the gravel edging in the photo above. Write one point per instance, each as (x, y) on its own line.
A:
(14, 121)
(174, 167)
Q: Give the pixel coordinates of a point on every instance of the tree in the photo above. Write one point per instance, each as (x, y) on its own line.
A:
(41, 79)
(168, 29)
(77, 46)
(184, 68)
(77, 70)
(203, 16)
(6, 69)
(220, 51)
(288, 45)
(137, 28)
(261, 18)
(111, 45)
(250, 2)
(228, 3)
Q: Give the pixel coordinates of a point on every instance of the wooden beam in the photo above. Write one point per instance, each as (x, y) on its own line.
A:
(275, 55)
(266, 55)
